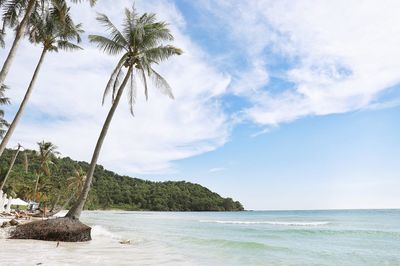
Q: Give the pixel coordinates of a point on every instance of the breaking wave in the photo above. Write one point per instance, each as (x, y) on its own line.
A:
(285, 223)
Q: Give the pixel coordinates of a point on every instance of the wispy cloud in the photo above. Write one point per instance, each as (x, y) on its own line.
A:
(216, 169)
(337, 55)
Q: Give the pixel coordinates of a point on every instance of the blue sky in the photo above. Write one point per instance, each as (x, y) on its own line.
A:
(281, 105)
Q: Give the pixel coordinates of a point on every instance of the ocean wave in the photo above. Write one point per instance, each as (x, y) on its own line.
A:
(226, 243)
(367, 234)
(99, 231)
(285, 223)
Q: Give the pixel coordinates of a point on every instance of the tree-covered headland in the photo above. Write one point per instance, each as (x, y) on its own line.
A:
(109, 190)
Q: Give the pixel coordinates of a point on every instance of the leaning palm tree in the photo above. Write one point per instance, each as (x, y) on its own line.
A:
(21, 9)
(17, 152)
(56, 31)
(3, 101)
(141, 44)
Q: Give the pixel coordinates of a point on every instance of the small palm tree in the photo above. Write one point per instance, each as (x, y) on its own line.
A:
(3, 101)
(46, 154)
(21, 9)
(77, 181)
(141, 44)
(54, 30)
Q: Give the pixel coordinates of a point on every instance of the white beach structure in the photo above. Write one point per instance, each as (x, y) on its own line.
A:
(19, 202)
(8, 207)
(1, 202)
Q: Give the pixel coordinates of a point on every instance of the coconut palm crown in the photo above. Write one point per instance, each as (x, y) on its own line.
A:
(141, 44)
(54, 29)
(46, 154)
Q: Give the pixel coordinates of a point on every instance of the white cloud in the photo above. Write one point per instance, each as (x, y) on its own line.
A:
(341, 54)
(216, 169)
(66, 105)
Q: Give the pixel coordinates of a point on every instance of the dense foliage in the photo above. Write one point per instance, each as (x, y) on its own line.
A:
(109, 190)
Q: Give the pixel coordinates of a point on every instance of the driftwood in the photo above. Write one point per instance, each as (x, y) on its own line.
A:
(59, 229)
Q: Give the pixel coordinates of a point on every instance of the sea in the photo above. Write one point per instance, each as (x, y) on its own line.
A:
(334, 237)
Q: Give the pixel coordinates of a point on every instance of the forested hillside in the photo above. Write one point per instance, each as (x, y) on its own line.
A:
(109, 190)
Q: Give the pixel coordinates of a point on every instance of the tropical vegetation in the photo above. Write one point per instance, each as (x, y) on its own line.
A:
(109, 190)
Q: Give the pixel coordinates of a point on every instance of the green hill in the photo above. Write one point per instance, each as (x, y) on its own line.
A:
(109, 190)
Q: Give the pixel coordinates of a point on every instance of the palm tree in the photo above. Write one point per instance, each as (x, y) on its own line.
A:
(77, 181)
(46, 154)
(3, 100)
(24, 9)
(19, 147)
(141, 44)
(55, 30)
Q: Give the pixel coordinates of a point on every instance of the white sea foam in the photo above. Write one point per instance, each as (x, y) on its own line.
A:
(287, 223)
(99, 231)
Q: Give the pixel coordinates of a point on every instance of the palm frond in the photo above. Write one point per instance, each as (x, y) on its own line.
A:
(117, 83)
(161, 83)
(115, 34)
(107, 45)
(161, 53)
(132, 92)
(3, 100)
(67, 46)
(12, 11)
(91, 2)
(142, 75)
(113, 76)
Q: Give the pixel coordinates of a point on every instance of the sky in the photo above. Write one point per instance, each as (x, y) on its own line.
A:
(278, 104)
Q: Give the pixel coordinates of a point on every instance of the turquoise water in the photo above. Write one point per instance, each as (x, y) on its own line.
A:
(356, 237)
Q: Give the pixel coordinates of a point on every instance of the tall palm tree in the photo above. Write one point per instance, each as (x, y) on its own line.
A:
(18, 9)
(3, 100)
(141, 44)
(56, 31)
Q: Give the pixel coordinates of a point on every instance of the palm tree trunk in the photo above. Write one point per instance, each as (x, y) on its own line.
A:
(36, 186)
(3, 27)
(18, 36)
(24, 102)
(11, 167)
(75, 211)
(55, 203)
